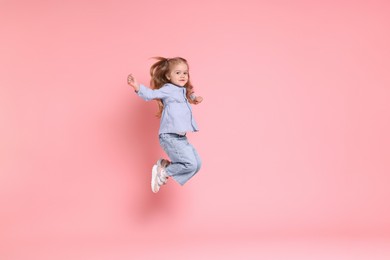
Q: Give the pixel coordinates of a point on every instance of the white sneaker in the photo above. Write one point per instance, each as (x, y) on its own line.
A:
(163, 163)
(159, 176)
(154, 183)
(162, 174)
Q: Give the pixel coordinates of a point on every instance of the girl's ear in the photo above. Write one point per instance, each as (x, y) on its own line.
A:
(166, 75)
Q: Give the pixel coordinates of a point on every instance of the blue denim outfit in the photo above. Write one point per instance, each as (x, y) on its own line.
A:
(176, 118)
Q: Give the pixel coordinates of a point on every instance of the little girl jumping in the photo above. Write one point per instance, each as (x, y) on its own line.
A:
(171, 87)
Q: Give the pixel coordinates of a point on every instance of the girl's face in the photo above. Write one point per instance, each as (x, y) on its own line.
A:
(178, 74)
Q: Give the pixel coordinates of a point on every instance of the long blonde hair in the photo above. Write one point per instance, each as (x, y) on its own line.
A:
(158, 72)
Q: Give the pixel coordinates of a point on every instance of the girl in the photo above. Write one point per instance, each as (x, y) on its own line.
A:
(171, 87)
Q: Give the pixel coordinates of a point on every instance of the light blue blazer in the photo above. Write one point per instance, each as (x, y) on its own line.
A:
(177, 113)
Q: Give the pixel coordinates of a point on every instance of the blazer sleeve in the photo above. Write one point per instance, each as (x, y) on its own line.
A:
(149, 94)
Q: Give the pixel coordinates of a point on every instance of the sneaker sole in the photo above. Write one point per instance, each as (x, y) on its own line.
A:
(154, 183)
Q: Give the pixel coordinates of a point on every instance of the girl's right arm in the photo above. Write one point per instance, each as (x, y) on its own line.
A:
(133, 82)
(147, 93)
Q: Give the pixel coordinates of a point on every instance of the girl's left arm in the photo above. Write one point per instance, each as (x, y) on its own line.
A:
(195, 99)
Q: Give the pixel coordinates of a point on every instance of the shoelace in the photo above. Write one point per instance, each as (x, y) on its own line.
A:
(162, 179)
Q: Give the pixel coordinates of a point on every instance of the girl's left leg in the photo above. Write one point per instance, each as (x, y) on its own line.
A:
(185, 161)
(197, 158)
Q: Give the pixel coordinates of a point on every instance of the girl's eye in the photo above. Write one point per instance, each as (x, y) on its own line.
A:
(178, 73)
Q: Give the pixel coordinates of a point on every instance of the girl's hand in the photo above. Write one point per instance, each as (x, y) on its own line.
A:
(197, 100)
(132, 82)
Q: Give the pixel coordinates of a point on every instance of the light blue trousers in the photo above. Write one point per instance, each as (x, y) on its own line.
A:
(185, 161)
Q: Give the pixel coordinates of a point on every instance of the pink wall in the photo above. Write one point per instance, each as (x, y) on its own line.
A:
(294, 124)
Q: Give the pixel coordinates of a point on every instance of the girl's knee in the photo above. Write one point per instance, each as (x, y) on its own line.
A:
(199, 165)
(192, 166)
(195, 165)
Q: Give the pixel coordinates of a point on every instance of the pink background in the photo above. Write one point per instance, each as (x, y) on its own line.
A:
(294, 130)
